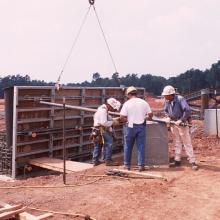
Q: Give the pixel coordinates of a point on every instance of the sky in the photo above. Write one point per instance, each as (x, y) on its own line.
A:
(163, 38)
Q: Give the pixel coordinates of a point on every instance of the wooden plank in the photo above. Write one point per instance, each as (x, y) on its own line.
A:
(3, 204)
(150, 175)
(10, 208)
(57, 164)
(44, 216)
(28, 216)
(10, 214)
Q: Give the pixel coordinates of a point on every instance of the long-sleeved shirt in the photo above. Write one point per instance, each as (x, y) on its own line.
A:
(101, 117)
(177, 109)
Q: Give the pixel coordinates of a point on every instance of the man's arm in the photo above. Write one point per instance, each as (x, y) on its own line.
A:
(149, 114)
(186, 110)
(123, 114)
(103, 119)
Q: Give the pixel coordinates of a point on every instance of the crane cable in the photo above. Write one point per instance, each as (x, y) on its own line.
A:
(106, 42)
(57, 85)
(91, 2)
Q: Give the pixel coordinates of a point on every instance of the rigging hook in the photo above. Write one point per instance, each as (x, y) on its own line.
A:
(91, 2)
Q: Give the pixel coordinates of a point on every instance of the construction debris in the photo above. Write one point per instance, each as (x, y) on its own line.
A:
(18, 212)
(148, 175)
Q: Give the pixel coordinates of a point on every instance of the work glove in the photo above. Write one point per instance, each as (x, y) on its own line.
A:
(115, 121)
(178, 122)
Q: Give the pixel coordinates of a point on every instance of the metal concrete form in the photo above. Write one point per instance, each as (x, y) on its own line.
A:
(156, 149)
(35, 130)
(212, 122)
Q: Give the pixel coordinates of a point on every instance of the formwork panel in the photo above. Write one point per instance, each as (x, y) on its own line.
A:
(76, 102)
(156, 147)
(31, 92)
(93, 101)
(69, 112)
(35, 130)
(71, 92)
(93, 92)
(30, 125)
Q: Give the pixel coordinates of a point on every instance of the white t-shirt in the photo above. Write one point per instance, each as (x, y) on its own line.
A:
(101, 117)
(136, 110)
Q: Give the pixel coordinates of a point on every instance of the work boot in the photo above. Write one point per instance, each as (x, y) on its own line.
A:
(194, 166)
(141, 168)
(96, 163)
(111, 163)
(175, 164)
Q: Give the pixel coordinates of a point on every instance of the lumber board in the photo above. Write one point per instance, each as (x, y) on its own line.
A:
(28, 216)
(57, 164)
(45, 216)
(10, 214)
(10, 208)
(3, 204)
(150, 175)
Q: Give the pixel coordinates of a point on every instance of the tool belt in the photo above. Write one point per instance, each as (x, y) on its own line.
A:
(96, 135)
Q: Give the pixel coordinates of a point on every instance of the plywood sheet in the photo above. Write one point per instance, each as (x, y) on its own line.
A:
(57, 164)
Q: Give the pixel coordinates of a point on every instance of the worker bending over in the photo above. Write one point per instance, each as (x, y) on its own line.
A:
(103, 123)
(177, 109)
(134, 112)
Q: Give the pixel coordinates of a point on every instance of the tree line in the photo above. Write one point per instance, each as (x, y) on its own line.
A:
(190, 81)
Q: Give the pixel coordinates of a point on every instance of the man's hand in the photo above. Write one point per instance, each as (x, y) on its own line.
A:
(123, 119)
(115, 121)
(149, 116)
(178, 122)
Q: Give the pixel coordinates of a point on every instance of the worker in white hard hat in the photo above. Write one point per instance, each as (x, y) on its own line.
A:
(103, 123)
(177, 109)
(134, 112)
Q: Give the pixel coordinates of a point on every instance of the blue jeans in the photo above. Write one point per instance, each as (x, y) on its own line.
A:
(107, 148)
(137, 133)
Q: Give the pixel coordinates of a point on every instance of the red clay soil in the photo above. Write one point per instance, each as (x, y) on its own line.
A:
(187, 194)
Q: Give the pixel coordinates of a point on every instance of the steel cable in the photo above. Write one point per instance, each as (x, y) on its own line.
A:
(74, 44)
(106, 42)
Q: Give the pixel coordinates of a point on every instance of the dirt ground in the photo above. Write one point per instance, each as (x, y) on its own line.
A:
(186, 194)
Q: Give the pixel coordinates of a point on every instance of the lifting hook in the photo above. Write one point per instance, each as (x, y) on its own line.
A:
(91, 2)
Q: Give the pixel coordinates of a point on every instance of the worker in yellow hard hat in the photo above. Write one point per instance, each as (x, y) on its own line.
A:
(134, 112)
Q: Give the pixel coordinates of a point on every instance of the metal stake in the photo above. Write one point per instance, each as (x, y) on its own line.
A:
(64, 141)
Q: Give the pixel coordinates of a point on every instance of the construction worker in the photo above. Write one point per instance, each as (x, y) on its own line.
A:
(103, 122)
(134, 112)
(177, 110)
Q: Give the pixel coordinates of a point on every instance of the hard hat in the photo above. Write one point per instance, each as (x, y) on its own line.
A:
(131, 89)
(168, 90)
(114, 103)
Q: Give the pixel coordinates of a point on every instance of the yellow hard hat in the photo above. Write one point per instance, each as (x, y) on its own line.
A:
(131, 89)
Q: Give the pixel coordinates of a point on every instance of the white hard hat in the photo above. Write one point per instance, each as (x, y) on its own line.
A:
(168, 90)
(131, 89)
(114, 103)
